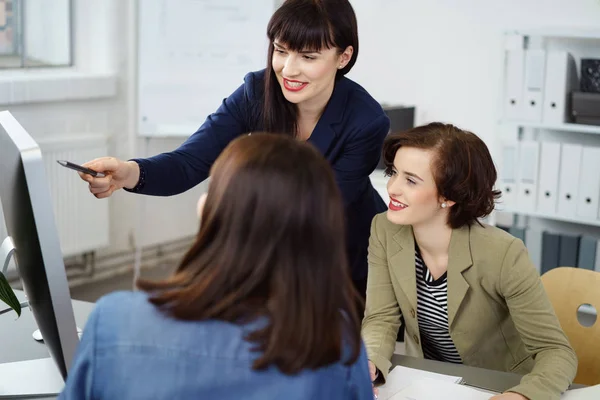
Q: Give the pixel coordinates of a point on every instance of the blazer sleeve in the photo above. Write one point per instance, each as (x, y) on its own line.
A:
(382, 313)
(360, 157)
(533, 316)
(175, 172)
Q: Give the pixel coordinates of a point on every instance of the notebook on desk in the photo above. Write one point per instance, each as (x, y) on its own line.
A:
(436, 389)
(31, 378)
(401, 377)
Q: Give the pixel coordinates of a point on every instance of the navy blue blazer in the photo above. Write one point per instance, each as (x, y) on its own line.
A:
(349, 134)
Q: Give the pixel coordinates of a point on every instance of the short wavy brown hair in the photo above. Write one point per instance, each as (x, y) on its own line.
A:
(462, 167)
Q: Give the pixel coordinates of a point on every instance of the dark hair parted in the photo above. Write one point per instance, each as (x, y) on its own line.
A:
(305, 25)
(462, 167)
(271, 247)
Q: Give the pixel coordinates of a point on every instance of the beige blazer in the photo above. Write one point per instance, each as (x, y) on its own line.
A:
(498, 313)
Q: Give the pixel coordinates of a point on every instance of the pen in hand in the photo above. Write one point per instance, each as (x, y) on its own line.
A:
(79, 168)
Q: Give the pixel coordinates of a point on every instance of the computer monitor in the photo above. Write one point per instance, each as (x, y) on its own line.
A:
(402, 118)
(29, 219)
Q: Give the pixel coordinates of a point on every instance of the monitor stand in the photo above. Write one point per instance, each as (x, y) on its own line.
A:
(6, 252)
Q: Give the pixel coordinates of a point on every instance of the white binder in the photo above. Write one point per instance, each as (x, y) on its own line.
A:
(568, 181)
(508, 176)
(533, 91)
(528, 175)
(548, 177)
(561, 80)
(514, 78)
(589, 183)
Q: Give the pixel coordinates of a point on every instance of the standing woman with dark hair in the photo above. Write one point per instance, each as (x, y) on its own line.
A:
(468, 292)
(303, 93)
(261, 307)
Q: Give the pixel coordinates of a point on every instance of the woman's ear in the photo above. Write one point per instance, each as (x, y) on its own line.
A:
(345, 57)
(200, 205)
(445, 203)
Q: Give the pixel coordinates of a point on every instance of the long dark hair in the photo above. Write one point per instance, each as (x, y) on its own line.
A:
(271, 244)
(300, 25)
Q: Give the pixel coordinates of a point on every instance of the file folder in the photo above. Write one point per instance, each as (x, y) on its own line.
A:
(528, 175)
(550, 251)
(548, 177)
(533, 92)
(587, 252)
(561, 80)
(569, 250)
(508, 175)
(568, 181)
(588, 195)
(533, 242)
(514, 80)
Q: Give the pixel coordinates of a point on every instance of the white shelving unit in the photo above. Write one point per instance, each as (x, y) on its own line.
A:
(577, 41)
(580, 43)
(564, 127)
(556, 217)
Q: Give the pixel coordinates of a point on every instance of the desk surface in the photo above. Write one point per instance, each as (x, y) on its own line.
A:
(15, 334)
(494, 381)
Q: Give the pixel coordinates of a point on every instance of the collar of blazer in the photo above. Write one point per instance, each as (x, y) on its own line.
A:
(402, 265)
(324, 134)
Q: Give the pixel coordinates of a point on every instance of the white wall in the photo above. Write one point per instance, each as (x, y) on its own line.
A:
(446, 56)
(443, 56)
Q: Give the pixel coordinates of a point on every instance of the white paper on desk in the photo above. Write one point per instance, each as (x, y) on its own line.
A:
(30, 378)
(401, 377)
(434, 389)
(588, 393)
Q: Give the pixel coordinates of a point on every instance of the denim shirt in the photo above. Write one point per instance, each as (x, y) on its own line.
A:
(132, 350)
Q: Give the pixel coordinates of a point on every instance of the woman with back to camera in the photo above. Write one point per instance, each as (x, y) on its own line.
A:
(261, 307)
(302, 92)
(468, 292)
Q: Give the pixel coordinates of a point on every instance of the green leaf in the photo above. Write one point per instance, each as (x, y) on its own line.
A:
(7, 295)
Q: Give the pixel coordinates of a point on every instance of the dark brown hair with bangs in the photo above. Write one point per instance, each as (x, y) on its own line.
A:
(462, 167)
(305, 25)
(271, 247)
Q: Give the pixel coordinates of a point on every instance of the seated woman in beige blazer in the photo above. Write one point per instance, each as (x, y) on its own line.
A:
(468, 291)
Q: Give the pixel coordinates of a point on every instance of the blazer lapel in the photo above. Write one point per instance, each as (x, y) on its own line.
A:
(402, 263)
(324, 133)
(459, 260)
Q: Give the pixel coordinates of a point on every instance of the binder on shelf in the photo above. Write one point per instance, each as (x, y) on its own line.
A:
(533, 241)
(586, 258)
(568, 180)
(528, 175)
(561, 79)
(569, 250)
(519, 233)
(533, 90)
(549, 170)
(514, 80)
(508, 175)
(550, 251)
(588, 196)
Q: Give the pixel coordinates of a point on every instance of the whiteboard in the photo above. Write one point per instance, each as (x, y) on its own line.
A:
(191, 55)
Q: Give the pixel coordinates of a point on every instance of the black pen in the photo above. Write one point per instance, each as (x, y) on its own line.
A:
(79, 168)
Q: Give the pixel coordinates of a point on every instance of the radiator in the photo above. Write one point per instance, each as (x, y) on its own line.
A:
(82, 220)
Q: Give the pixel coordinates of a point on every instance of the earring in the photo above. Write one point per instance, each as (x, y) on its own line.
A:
(444, 205)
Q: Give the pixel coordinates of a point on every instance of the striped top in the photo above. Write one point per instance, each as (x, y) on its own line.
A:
(432, 315)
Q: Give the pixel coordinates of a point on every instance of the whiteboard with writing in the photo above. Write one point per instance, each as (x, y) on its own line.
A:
(191, 55)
